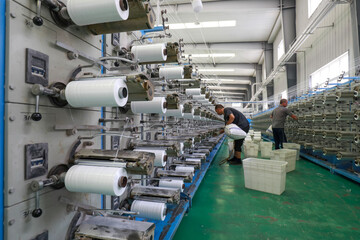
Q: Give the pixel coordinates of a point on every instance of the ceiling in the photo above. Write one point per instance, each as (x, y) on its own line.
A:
(254, 23)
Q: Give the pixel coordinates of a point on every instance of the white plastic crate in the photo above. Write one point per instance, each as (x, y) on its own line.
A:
(286, 155)
(251, 149)
(248, 138)
(257, 139)
(293, 146)
(230, 147)
(265, 175)
(257, 136)
(266, 149)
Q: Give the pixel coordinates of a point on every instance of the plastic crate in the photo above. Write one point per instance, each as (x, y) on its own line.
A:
(266, 149)
(293, 146)
(251, 149)
(230, 147)
(248, 138)
(265, 175)
(286, 155)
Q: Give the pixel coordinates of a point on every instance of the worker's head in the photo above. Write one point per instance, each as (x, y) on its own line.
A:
(284, 102)
(219, 109)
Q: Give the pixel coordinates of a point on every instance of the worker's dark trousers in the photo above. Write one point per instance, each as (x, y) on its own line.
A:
(279, 137)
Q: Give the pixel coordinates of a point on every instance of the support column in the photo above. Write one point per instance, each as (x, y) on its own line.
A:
(259, 82)
(249, 94)
(289, 30)
(269, 66)
(258, 76)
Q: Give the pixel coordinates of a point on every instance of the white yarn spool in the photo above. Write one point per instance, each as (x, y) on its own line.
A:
(157, 105)
(204, 102)
(160, 155)
(181, 148)
(197, 5)
(87, 12)
(93, 179)
(200, 97)
(189, 115)
(102, 92)
(172, 72)
(152, 210)
(193, 91)
(175, 112)
(193, 160)
(184, 169)
(150, 53)
(172, 183)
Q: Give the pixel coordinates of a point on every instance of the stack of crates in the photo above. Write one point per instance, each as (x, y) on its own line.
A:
(294, 146)
(230, 143)
(286, 155)
(251, 149)
(265, 175)
(257, 137)
(266, 149)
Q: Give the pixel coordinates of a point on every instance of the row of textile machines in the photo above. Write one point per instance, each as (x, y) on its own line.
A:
(108, 130)
(328, 128)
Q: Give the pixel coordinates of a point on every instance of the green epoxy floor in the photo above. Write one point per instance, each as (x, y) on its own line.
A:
(315, 205)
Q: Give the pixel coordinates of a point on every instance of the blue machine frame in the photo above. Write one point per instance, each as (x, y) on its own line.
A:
(330, 162)
(166, 229)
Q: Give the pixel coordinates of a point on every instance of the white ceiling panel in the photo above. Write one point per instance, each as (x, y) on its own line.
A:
(241, 56)
(255, 20)
(237, 72)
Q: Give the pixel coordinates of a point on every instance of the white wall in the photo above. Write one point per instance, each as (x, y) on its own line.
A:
(327, 43)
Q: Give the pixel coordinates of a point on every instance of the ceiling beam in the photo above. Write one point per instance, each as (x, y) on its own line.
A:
(179, 6)
(232, 46)
(229, 88)
(228, 94)
(238, 78)
(236, 66)
(230, 98)
(221, 82)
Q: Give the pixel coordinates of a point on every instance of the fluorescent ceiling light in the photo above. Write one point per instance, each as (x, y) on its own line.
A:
(216, 70)
(220, 80)
(211, 24)
(211, 55)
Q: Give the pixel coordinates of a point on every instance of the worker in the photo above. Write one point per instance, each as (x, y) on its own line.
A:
(233, 116)
(278, 116)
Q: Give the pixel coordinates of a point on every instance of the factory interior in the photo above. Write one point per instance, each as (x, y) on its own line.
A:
(124, 119)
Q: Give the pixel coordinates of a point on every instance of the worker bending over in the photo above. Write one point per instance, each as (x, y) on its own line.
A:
(278, 122)
(233, 116)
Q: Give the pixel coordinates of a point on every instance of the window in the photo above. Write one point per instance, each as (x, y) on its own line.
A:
(312, 6)
(330, 71)
(281, 49)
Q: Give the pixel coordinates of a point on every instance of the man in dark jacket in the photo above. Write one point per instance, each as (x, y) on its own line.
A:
(233, 116)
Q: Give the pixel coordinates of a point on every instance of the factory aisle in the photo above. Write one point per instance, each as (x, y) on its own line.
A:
(315, 205)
